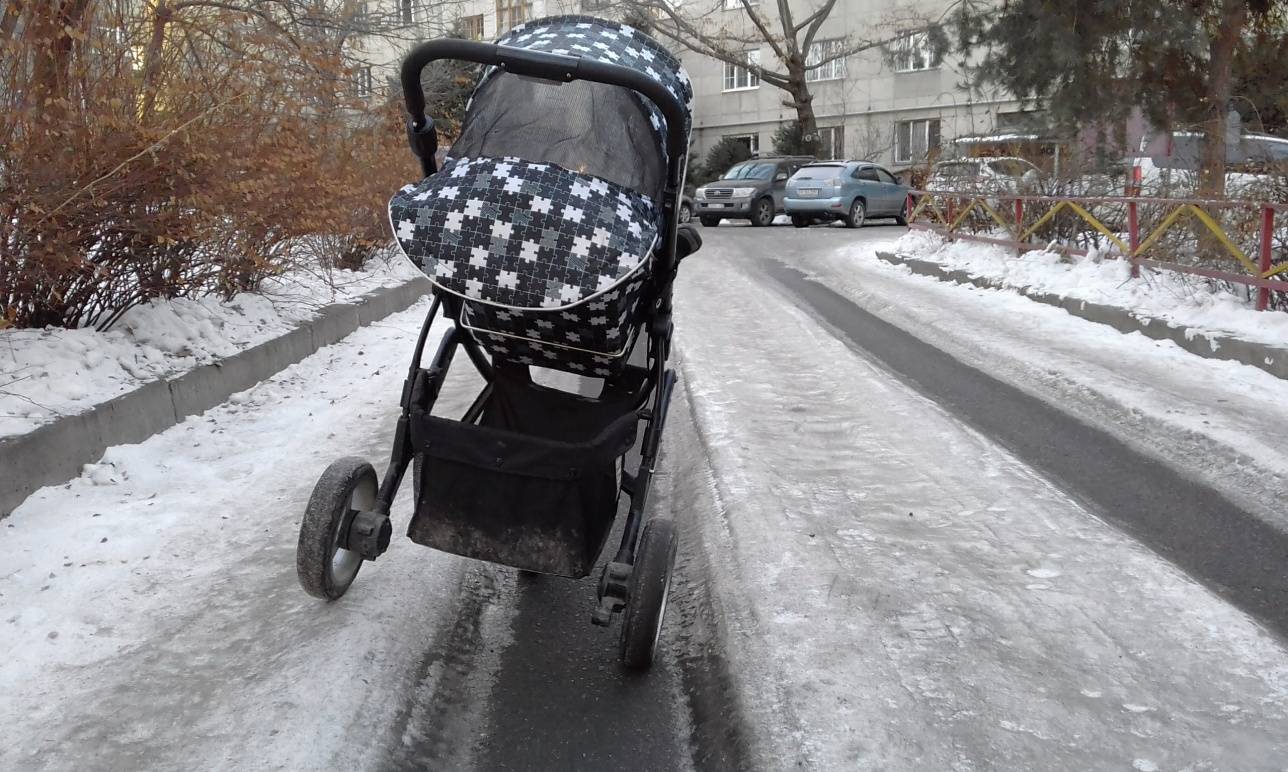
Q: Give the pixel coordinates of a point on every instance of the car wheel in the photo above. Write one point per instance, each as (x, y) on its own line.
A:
(763, 212)
(709, 222)
(800, 221)
(902, 217)
(857, 215)
(686, 213)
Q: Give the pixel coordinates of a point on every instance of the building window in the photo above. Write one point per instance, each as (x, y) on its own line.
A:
(472, 27)
(750, 141)
(739, 78)
(831, 142)
(912, 53)
(364, 82)
(915, 140)
(823, 63)
(512, 13)
(360, 13)
(407, 11)
(734, 5)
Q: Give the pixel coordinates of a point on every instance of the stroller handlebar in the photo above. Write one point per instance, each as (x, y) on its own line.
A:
(559, 68)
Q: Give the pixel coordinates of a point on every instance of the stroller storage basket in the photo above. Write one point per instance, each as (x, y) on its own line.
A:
(515, 497)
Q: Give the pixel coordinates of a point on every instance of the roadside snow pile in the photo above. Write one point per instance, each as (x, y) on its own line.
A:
(52, 372)
(1177, 299)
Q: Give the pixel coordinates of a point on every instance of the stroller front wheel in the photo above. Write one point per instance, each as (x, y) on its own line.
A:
(650, 585)
(325, 569)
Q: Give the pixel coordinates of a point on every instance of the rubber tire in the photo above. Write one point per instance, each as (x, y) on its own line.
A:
(709, 222)
(801, 222)
(326, 509)
(686, 213)
(857, 215)
(758, 214)
(902, 217)
(647, 594)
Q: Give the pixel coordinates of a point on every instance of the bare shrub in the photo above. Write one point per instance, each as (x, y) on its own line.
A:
(159, 150)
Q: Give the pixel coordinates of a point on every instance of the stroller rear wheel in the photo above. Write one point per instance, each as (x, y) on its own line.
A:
(649, 586)
(326, 569)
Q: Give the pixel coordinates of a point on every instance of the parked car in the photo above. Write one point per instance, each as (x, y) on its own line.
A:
(686, 207)
(850, 191)
(1170, 165)
(986, 175)
(751, 190)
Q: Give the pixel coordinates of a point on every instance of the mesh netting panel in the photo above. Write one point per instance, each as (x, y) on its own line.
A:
(585, 127)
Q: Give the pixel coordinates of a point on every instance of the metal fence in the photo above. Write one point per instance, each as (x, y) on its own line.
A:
(1241, 242)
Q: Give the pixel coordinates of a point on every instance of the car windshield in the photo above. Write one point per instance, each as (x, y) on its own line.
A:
(960, 170)
(818, 172)
(750, 170)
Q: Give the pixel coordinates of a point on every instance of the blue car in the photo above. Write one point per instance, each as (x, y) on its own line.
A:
(850, 191)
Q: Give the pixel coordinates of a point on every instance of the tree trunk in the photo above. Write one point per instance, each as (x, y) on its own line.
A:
(152, 57)
(803, 102)
(12, 10)
(53, 27)
(1234, 16)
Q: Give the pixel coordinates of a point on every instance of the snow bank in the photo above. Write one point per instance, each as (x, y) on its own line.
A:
(52, 372)
(1163, 295)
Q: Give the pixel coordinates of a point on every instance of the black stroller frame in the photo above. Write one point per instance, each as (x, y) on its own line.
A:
(348, 519)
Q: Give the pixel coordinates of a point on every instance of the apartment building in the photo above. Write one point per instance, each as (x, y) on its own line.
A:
(392, 27)
(898, 110)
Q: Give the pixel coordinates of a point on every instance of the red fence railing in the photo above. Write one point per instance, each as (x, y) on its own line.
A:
(1145, 231)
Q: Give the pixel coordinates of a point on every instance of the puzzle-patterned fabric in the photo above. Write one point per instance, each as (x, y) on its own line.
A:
(591, 339)
(552, 262)
(523, 235)
(606, 41)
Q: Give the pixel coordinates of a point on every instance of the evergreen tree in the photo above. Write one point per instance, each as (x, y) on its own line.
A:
(1094, 60)
(720, 157)
(789, 139)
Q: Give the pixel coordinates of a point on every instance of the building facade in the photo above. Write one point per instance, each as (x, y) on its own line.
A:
(392, 27)
(896, 105)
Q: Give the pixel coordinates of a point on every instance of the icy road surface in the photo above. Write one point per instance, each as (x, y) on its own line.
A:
(902, 593)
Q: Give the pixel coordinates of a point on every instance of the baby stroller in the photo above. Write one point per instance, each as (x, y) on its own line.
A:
(551, 235)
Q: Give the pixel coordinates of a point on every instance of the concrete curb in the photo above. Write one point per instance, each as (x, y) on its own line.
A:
(57, 452)
(1272, 359)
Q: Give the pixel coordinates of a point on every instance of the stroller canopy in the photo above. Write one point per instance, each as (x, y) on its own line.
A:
(590, 128)
(550, 196)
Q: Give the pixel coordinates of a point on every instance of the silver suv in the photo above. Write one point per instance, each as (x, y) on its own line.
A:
(751, 190)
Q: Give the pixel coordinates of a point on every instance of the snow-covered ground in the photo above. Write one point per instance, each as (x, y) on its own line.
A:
(152, 618)
(897, 591)
(901, 593)
(1163, 295)
(52, 372)
(1216, 420)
